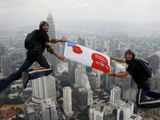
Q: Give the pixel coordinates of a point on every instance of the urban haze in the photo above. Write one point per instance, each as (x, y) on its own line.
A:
(74, 91)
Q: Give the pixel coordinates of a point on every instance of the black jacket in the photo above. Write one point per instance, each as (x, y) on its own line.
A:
(39, 41)
(136, 70)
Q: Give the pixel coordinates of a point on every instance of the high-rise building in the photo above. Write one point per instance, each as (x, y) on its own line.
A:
(91, 113)
(67, 101)
(71, 67)
(90, 97)
(79, 72)
(95, 114)
(95, 80)
(98, 115)
(85, 82)
(43, 110)
(51, 31)
(120, 114)
(81, 41)
(97, 44)
(77, 76)
(44, 88)
(5, 64)
(154, 61)
(31, 112)
(106, 83)
(30, 115)
(125, 111)
(130, 94)
(84, 97)
(110, 112)
(115, 96)
(48, 110)
(52, 34)
(61, 67)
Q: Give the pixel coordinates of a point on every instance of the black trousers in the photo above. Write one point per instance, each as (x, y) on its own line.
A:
(4, 83)
(144, 93)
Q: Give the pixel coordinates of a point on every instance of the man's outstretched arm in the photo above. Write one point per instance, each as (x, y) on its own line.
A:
(51, 50)
(120, 60)
(120, 74)
(54, 40)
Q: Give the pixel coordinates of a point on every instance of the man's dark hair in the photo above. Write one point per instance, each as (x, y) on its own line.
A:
(42, 24)
(129, 52)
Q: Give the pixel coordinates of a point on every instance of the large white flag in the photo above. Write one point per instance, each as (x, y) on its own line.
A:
(87, 57)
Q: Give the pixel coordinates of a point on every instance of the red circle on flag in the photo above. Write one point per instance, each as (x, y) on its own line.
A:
(77, 49)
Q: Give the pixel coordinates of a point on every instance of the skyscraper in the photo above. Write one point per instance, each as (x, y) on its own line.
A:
(84, 97)
(44, 88)
(30, 113)
(52, 34)
(115, 96)
(51, 31)
(91, 113)
(110, 112)
(120, 114)
(90, 97)
(95, 114)
(81, 78)
(98, 115)
(95, 80)
(44, 110)
(67, 101)
(125, 111)
(154, 61)
(61, 67)
(43, 101)
(48, 110)
(5, 64)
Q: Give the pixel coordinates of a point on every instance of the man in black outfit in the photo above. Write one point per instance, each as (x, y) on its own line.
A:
(137, 69)
(40, 42)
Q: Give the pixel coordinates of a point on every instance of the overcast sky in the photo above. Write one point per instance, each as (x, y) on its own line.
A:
(31, 11)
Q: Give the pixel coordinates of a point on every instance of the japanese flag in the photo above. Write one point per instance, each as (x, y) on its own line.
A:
(87, 57)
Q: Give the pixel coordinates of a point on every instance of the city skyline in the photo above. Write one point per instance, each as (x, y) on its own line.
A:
(74, 91)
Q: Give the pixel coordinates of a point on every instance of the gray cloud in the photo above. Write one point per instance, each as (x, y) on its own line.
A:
(26, 11)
